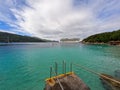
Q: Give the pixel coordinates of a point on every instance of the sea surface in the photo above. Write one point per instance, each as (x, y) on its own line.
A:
(26, 66)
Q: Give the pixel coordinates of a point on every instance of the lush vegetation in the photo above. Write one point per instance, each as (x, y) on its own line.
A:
(8, 37)
(104, 37)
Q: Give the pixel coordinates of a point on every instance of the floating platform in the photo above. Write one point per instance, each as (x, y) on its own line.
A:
(68, 81)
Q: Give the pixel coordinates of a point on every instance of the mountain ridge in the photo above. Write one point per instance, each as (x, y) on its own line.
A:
(11, 37)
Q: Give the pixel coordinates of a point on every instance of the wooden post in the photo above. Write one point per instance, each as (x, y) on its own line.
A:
(56, 68)
(65, 67)
(71, 67)
(50, 72)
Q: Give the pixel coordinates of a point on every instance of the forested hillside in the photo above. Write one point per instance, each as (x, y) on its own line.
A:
(8, 37)
(104, 37)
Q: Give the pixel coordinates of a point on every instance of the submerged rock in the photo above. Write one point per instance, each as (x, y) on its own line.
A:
(111, 84)
(117, 74)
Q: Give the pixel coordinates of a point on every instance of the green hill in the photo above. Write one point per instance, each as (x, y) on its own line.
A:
(9, 37)
(103, 37)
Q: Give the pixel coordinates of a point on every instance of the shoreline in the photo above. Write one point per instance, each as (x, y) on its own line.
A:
(112, 43)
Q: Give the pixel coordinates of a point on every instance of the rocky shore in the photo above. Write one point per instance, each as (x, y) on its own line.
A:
(109, 43)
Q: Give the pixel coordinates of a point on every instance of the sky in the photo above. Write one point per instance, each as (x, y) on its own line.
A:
(56, 19)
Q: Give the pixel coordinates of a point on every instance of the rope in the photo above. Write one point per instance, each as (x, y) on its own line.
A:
(89, 70)
(110, 79)
(85, 68)
(58, 81)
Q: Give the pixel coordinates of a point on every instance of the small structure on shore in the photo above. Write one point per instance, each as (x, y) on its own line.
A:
(114, 42)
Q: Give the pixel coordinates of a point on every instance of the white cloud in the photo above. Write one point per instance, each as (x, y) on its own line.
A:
(55, 19)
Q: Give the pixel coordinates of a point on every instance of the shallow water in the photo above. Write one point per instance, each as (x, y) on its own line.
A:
(25, 66)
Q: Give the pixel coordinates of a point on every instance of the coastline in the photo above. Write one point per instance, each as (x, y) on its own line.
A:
(114, 43)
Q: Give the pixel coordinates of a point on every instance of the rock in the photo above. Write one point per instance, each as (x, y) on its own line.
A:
(69, 82)
(117, 74)
(108, 83)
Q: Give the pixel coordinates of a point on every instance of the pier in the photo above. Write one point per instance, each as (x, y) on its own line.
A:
(70, 81)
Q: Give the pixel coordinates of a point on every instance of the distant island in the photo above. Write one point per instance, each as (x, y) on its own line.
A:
(9, 37)
(112, 38)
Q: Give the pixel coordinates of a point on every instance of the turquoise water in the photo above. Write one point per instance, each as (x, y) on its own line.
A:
(25, 66)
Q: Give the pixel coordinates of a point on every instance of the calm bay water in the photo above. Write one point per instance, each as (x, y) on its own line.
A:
(25, 66)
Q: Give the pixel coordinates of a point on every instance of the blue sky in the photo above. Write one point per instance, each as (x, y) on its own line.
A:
(56, 19)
